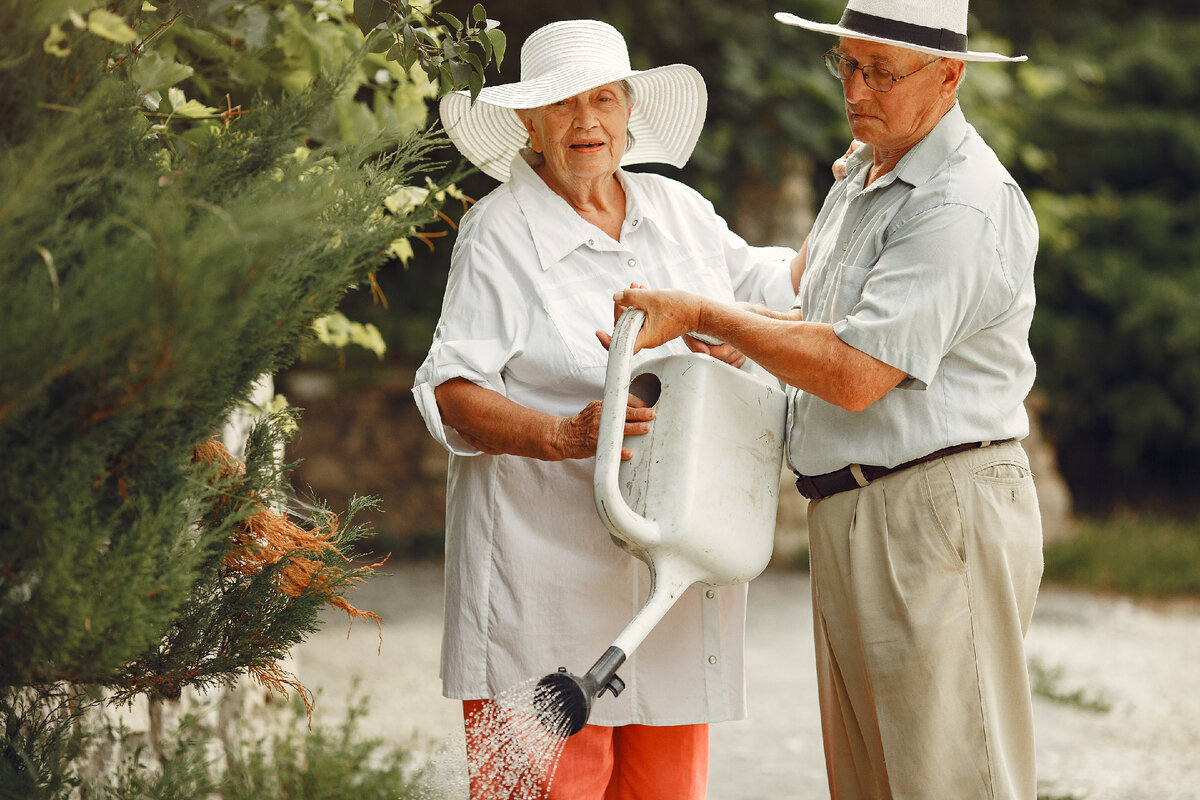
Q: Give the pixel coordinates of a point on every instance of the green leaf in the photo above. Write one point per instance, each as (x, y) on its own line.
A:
(378, 41)
(409, 38)
(47, 12)
(336, 330)
(182, 107)
(450, 49)
(478, 13)
(451, 20)
(460, 73)
(485, 44)
(57, 43)
(499, 41)
(253, 26)
(152, 72)
(108, 25)
(475, 83)
(369, 14)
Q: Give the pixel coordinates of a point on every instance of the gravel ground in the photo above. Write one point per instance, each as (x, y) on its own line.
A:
(1139, 660)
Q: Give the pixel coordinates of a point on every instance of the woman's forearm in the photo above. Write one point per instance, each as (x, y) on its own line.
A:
(497, 425)
(491, 422)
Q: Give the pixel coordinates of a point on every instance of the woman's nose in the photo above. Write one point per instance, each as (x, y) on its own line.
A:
(585, 116)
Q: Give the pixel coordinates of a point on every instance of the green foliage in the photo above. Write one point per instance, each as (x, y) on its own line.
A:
(1048, 681)
(452, 61)
(137, 316)
(40, 739)
(160, 257)
(324, 764)
(1140, 555)
(1110, 156)
(298, 763)
(249, 55)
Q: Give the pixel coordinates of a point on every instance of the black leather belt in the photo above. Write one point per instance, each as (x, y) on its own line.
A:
(856, 476)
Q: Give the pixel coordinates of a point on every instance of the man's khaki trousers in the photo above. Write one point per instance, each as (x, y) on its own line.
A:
(923, 587)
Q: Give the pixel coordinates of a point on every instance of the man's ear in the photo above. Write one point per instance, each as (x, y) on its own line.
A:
(955, 71)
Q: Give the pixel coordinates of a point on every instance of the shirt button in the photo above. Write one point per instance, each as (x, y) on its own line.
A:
(845, 245)
(710, 594)
(591, 242)
(635, 222)
(712, 659)
(632, 262)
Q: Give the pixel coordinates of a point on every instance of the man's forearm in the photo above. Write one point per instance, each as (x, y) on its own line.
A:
(806, 355)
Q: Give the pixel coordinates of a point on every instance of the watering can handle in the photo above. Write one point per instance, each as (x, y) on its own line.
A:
(618, 517)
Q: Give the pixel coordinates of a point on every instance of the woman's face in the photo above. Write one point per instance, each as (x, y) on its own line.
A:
(582, 137)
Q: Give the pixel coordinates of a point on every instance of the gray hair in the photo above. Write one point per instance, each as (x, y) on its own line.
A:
(535, 159)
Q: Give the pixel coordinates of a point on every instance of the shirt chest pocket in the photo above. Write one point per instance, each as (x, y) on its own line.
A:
(837, 293)
(576, 309)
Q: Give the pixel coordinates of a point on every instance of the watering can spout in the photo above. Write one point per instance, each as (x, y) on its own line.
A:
(563, 702)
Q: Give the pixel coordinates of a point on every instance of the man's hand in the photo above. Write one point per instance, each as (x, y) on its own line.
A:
(669, 313)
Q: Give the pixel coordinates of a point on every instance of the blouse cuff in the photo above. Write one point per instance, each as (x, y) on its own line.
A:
(446, 436)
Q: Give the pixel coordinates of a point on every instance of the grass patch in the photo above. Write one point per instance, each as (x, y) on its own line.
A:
(1047, 682)
(294, 763)
(1133, 554)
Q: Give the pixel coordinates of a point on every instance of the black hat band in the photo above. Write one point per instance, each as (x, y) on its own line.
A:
(920, 35)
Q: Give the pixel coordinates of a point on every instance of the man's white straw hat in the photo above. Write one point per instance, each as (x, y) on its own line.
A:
(936, 27)
(560, 60)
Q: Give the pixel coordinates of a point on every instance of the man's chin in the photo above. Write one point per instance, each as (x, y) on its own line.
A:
(865, 128)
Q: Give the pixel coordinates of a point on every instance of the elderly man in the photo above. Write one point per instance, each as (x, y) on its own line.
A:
(908, 350)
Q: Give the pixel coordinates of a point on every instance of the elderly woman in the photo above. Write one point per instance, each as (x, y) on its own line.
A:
(511, 387)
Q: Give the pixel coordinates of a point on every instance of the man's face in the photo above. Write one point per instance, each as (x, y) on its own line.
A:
(901, 117)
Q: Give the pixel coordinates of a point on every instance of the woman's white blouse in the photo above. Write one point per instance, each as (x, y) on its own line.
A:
(533, 581)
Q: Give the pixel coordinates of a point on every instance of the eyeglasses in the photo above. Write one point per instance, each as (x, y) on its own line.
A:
(876, 78)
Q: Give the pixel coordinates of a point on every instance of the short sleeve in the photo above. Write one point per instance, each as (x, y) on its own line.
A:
(479, 332)
(938, 281)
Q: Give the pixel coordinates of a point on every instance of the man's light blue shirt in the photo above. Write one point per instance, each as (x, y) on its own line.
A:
(928, 269)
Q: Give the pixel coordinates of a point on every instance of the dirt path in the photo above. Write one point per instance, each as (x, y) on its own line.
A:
(1143, 662)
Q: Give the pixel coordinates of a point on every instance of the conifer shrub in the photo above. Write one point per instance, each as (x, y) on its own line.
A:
(156, 260)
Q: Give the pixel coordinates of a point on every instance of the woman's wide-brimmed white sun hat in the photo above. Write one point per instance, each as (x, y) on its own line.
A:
(560, 60)
(936, 27)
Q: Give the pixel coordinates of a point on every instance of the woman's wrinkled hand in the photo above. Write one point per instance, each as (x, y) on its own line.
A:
(722, 352)
(839, 166)
(577, 436)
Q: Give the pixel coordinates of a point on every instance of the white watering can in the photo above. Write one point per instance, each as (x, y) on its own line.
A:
(696, 503)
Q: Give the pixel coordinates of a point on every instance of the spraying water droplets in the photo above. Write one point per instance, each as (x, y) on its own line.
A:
(513, 745)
